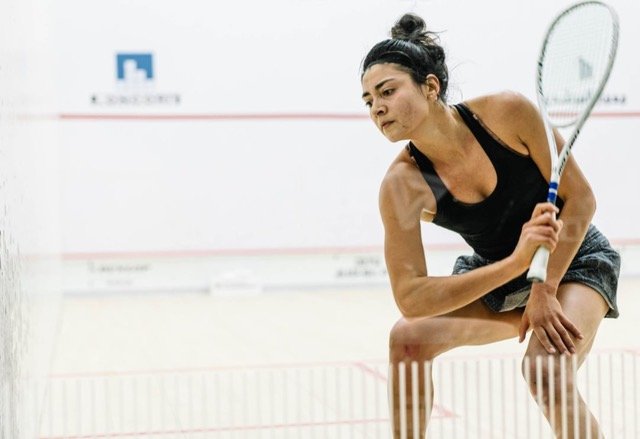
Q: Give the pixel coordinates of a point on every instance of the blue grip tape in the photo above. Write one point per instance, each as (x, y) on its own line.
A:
(553, 192)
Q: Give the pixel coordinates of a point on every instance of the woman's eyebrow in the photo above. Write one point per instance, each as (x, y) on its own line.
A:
(377, 87)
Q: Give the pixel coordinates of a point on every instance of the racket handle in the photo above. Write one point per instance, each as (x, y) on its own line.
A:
(538, 268)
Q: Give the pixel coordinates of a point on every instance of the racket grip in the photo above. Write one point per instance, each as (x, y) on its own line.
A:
(538, 268)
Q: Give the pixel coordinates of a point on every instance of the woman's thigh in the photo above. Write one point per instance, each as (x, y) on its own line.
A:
(585, 308)
(474, 324)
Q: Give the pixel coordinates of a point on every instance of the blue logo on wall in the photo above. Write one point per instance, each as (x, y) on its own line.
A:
(136, 83)
(134, 67)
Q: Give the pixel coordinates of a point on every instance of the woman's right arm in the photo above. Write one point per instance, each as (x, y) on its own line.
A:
(402, 199)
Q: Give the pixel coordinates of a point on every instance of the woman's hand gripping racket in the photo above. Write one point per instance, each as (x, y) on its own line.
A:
(573, 67)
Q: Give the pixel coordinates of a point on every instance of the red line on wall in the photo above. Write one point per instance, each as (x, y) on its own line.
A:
(364, 365)
(262, 116)
(219, 252)
(222, 429)
(230, 367)
(248, 252)
(370, 371)
(215, 117)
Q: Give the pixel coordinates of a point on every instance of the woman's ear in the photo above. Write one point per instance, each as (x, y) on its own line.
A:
(431, 87)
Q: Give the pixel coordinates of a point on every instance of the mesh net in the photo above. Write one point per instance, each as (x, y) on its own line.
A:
(576, 61)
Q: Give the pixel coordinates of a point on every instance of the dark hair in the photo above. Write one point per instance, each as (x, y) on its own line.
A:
(414, 49)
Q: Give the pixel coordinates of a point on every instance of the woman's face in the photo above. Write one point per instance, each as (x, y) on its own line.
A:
(396, 104)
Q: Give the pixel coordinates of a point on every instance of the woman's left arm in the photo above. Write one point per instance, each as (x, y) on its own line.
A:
(543, 313)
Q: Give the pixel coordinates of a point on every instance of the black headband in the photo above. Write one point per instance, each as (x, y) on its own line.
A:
(396, 57)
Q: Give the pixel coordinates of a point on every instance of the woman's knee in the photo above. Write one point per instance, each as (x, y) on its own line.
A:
(416, 340)
(552, 374)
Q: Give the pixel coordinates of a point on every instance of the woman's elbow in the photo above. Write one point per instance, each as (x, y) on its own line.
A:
(408, 308)
(583, 201)
(580, 210)
(593, 205)
(403, 296)
(412, 303)
(588, 205)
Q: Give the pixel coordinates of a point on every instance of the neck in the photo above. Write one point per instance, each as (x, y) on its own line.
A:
(440, 137)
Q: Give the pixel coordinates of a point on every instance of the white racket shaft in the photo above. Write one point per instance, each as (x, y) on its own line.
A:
(538, 268)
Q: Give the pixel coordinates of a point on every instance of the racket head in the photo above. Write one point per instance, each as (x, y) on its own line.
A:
(576, 60)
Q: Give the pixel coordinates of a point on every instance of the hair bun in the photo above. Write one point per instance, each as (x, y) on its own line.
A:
(411, 27)
(414, 49)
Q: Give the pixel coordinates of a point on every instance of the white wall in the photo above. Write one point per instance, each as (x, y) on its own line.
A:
(29, 215)
(209, 183)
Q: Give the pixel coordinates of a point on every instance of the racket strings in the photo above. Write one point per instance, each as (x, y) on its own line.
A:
(576, 61)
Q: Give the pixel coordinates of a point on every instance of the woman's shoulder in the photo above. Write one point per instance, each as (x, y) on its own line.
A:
(404, 197)
(403, 179)
(508, 114)
(402, 168)
(506, 104)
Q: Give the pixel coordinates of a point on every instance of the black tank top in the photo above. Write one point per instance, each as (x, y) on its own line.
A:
(491, 227)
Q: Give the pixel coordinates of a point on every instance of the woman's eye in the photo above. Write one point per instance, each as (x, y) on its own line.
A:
(387, 92)
(367, 104)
